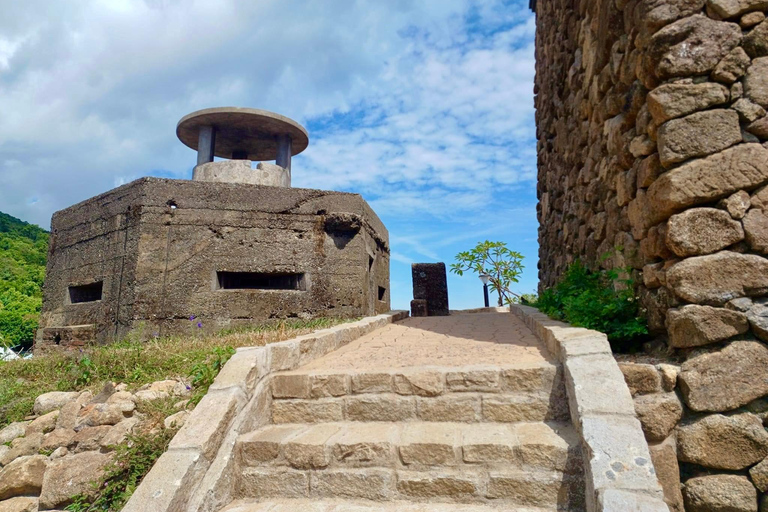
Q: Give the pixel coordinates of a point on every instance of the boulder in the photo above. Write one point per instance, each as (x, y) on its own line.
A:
(698, 134)
(176, 420)
(731, 8)
(21, 447)
(651, 15)
(118, 433)
(19, 504)
(669, 51)
(736, 204)
(12, 431)
(664, 458)
(658, 413)
(756, 229)
(726, 379)
(23, 476)
(43, 424)
(94, 415)
(758, 320)
(90, 438)
(759, 475)
(70, 476)
(702, 231)
(756, 82)
(720, 493)
(673, 100)
(54, 400)
(641, 379)
(161, 389)
(693, 325)
(717, 278)
(756, 41)
(732, 67)
(706, 180)
(723, 442)
(57, 438)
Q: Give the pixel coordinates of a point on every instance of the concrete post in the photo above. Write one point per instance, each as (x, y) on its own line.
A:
(284, 151)
(205, 144)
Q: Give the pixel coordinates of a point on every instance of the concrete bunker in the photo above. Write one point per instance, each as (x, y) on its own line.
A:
(234, 245)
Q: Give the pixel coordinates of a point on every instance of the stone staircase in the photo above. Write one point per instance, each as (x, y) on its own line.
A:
(425, 438)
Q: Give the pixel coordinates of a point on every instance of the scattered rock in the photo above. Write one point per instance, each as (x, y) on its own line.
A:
(70, 476)
(95, 415)
(22, 446)
(732, 67)
(176, 420)
(664, 458)
(693, 325)
(61, 451)
(117, 434)
(723, 442)
(107, 391)
(641, 378)
(669, 51)
(12, 431)
(736, 204)
(90, 438)
(48, 402)
(19, 504)
(756, 82)
(161, 389)
(673, 100)
(726, 379)
(700, 231)
(44, 424)
(756, 41)
(732, 8)
(658, 413)
(717, 278)
(23, 476)
(756, 229)
(57, 438)
(696, 135)
(720, 493)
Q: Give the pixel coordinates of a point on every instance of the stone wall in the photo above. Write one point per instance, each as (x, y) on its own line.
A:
(652, 128)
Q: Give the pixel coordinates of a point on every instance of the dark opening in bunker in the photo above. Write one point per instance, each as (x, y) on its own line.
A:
(382, 292)
(85, 292)
(260, 281)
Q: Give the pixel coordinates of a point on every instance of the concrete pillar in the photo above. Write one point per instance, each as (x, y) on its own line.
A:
(284, 151)
(205, 144)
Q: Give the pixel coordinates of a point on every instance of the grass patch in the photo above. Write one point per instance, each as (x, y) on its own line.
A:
(194, 357)
(597, 300)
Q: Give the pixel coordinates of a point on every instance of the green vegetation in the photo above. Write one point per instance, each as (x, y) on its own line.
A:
(597, 300)
(502, 266)
(23, 251)
(136, 363)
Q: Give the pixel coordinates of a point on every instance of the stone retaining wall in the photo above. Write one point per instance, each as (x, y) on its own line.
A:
(618, 468)
(196, 473)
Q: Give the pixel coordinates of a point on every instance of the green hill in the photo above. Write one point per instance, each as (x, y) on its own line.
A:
(23, 251)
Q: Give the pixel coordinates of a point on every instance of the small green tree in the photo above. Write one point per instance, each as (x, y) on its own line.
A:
(494, 259)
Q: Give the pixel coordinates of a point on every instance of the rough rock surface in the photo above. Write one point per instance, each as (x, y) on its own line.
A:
(756, 82)
(731, 8)
(756, 229)
(723, 442)
(700, 231)
(658, 413)
(664, 457)
(23, 476)
(759, 475)
(727, 379)
(641, 378)
(48, 402)
(737, 204)
(696, 135)
(720, 493)
(693, 325)
(717, 278)
(756, 42)
(679, 99)
(732, 67)
(69, 476)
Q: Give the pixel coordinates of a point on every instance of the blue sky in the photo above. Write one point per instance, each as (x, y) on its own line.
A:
(423, 107)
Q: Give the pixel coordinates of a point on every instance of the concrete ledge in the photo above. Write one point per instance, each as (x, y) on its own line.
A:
(196, 473)
(619, 473)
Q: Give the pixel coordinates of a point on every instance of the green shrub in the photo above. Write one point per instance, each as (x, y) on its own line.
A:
(597, 300)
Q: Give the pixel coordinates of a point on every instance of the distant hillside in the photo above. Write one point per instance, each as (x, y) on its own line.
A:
(23, 251)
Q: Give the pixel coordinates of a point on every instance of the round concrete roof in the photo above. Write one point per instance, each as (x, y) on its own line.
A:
(243, 129)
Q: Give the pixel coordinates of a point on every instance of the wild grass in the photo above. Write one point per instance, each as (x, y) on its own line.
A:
(195, 357)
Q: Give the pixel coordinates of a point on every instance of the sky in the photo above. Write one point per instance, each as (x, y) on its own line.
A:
(424, 107)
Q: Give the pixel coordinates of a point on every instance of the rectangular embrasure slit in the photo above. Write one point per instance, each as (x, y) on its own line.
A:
(260, 281)
(382, 292)
(85, 292)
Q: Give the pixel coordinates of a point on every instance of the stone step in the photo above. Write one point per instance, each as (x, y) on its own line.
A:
(332, 505)
(469, 407)
(457, 485)
(538, 377)
(412, 445)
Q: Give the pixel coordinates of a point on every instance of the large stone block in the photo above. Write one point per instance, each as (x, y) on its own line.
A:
(726, 379)
(756, 81)
(693, 326)
(69, 476)
(756, 41)
(717, 278)
(731, 8)
(723, 442)
(429, 283)
(673, 100)
(23, 476)
(720, 493)
(664, 457)
(696, 135)
(700, 231)
(756, 229)
(659, 414)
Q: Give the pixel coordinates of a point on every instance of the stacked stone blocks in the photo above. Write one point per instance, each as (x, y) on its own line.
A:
(652, 130)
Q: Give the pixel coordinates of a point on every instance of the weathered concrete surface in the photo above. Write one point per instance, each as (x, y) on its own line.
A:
(156, 246)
